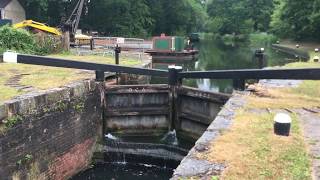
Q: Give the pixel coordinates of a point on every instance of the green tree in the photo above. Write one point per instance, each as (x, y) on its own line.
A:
(229, 17)
(260, 11)
(295, 18)
(315, 19)
(124, 17)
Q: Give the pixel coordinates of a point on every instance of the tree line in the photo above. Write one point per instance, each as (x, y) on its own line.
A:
(285, 18)
(143, 18)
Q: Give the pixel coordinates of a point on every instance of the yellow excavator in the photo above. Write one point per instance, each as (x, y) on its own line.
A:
(37, 26)
(70, 25)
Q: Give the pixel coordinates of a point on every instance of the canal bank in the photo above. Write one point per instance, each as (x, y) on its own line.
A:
(248, 147)
(296, 52)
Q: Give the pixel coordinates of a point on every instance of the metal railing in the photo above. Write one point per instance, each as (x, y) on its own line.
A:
(175, 74)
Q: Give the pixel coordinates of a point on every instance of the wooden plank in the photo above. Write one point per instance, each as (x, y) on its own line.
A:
(141, 113)
(137, 111)
(202, 119)
(131, 89)
(205, 95)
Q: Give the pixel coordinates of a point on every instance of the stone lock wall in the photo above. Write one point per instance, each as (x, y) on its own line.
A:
(49, 135)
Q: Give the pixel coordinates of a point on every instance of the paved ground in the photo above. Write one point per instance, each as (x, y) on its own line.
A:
(310, 119)
(303, 45)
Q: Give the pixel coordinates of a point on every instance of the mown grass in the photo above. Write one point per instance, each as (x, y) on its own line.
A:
(307, 94)
(252, 151)
(98, 59)
(39, 77)
(303, 65)
(42, 77)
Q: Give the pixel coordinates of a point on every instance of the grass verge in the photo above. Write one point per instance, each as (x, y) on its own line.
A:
(42, 77)
(98, 59)
(250, 149)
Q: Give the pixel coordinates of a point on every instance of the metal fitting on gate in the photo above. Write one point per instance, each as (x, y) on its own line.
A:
(173, 75)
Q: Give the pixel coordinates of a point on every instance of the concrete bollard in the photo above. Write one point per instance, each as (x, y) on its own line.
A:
(282, 124)
(316, 58)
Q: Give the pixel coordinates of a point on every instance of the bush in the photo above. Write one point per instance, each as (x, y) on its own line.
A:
(22, 41)
(18, 40)
(265, 39)
(48, 43)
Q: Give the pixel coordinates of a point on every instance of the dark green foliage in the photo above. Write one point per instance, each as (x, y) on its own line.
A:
(118, 17)
(239, 16)
(18, 40)
(22, 41)
(127, 18)
(12, 121)
(24, 160)
(142, 18)
(297, 19)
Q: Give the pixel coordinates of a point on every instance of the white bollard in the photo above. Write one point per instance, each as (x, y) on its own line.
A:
(282, 124)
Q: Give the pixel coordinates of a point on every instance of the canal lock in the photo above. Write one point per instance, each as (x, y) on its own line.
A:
(149, 129)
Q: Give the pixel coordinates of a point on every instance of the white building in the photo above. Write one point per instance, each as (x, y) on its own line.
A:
(12, 10)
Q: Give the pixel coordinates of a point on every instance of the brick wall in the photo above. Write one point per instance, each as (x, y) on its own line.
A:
(54, 135)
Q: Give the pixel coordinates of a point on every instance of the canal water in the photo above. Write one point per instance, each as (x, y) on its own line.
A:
(125, 171)
(120, 166)
(220, 55)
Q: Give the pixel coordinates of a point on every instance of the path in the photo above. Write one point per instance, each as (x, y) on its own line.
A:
(14, 82)
(311, 125)
(310, 46)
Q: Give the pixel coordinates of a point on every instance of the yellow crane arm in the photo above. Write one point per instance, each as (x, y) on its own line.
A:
(37, 25)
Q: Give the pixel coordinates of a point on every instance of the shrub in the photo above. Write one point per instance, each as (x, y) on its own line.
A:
(22, 41)
(18, 40)
(262, 39)
(48, 43)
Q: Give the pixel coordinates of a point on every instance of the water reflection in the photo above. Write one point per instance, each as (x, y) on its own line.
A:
(218, 55)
